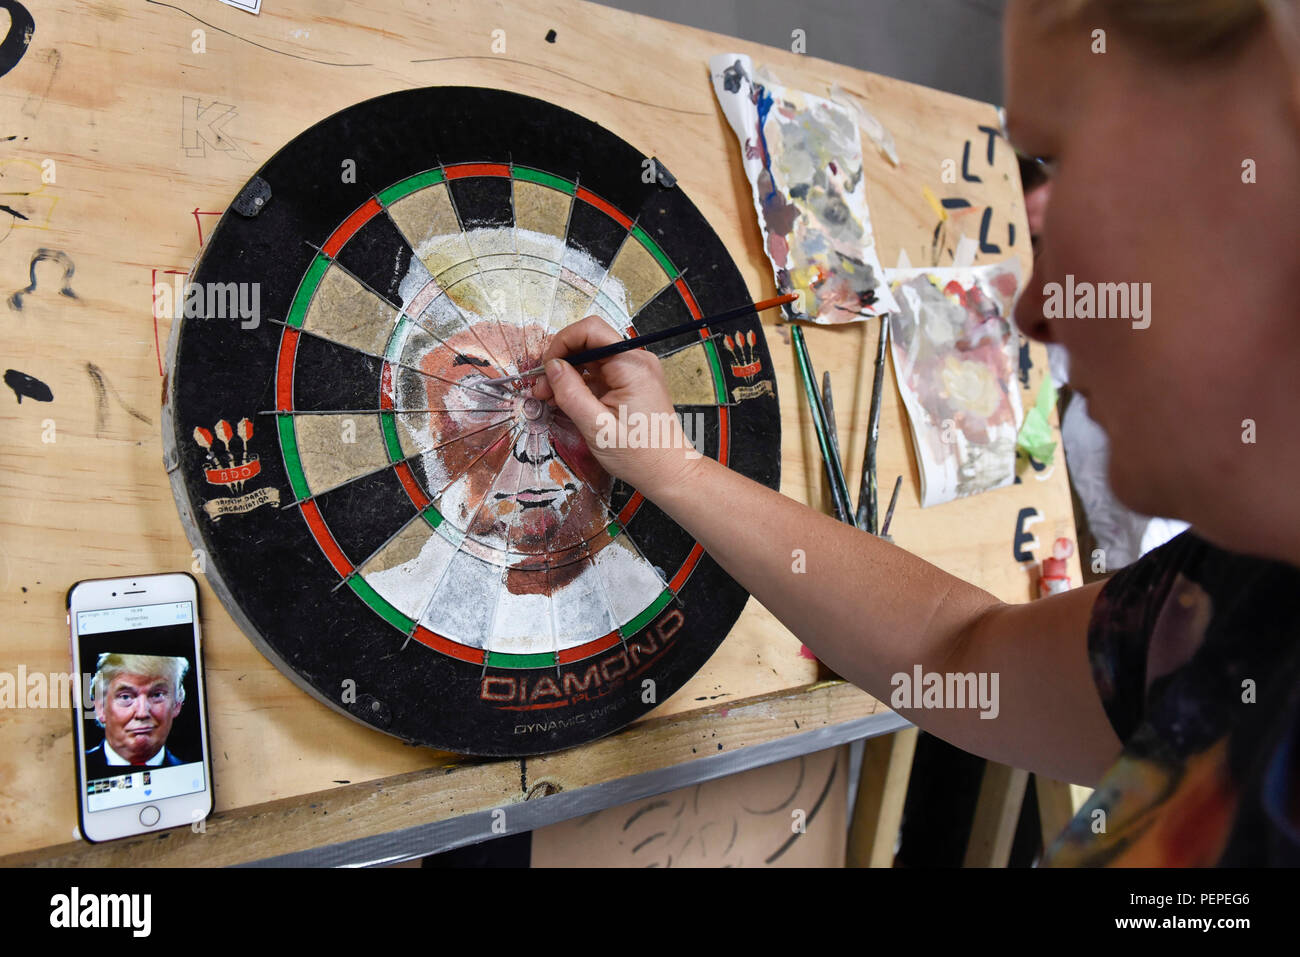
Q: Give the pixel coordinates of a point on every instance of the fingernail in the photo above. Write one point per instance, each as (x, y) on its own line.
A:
(555, 366)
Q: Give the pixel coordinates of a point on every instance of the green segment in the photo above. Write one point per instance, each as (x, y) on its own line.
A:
(644, 238)
(391, 442)
(385, 610)
(298, 311)
(289, 444)
(496, 659)
(613, 528)
(719, 387)
(394, 351)
(643, 619)
(546, 179)
(410, 185)
(432, 516)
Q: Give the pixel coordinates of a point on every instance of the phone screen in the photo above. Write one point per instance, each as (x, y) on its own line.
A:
(142, 737)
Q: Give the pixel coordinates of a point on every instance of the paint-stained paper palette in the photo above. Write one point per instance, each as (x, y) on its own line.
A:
(803, 157)
(955, 354)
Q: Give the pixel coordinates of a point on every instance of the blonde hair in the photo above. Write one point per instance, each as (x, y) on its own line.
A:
(109, 666)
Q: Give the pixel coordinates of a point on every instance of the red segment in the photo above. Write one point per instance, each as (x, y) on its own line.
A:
(590, 197)
(631, 332)
(630, 508)
(386, 386)
(691, 304)
(590, 648)
(688, 566)
(477, 169)
(450, 648)
(324, 539)
(418, 498)
(723, 430)
(284, 370)
(350, 226)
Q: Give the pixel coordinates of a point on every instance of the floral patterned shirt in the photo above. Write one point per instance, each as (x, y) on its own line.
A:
(1196, 655)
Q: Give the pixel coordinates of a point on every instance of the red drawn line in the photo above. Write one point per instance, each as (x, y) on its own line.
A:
(325, 539)
(413, 490)
(630, 508)
(197, 223)
(724, 420)
(284, 371)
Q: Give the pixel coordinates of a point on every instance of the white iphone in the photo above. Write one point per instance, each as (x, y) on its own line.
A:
(140, 719)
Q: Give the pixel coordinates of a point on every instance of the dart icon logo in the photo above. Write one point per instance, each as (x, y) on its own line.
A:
(232, 472)
(745, 366)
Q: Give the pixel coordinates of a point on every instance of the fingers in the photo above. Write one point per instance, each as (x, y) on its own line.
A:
(573, 396)
(589, 333)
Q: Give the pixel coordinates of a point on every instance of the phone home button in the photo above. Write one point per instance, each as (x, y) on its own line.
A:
(149, 816)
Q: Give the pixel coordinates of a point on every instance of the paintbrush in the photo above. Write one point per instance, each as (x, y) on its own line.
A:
(868, 507)
(834, 471)
(636, 342)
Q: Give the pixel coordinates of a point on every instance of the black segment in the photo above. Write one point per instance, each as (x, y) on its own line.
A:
(379, 257)
(329, 377)
(595, 233)
(364, 513)
(483, 201)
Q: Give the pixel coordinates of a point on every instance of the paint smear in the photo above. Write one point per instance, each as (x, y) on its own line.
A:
(803, 157)
(26, 386)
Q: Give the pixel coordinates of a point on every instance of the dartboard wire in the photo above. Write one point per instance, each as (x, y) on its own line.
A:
(442, 577)
(519, 268)
(401, 310)
(451, 198)
(548, 536)
(559, 265)
(505, 570)
(613, 517)
(395, 411)
(604, 593)
(597, 287)
(297, 503)
(396, 362)
(415, 255)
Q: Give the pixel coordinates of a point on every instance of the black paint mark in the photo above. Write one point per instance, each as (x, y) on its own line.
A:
(803, 767)
(102, 387)
(966, 174)
(646, 809)
(550, 36)
(1011, 234)
(985, 245)
(957, 203)
(29, 386)
(42, 255)
(1023, 537)
(19, 38)
(652, 837)
(11, 211)
(821, 799)
(993, 135)
(733, 76)
(1026, 362)
(523, 775)
(735, 829)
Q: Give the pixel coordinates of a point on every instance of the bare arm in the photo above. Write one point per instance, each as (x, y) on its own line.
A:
(868, 609)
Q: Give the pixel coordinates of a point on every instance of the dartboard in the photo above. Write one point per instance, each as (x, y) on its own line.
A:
(443, 560)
